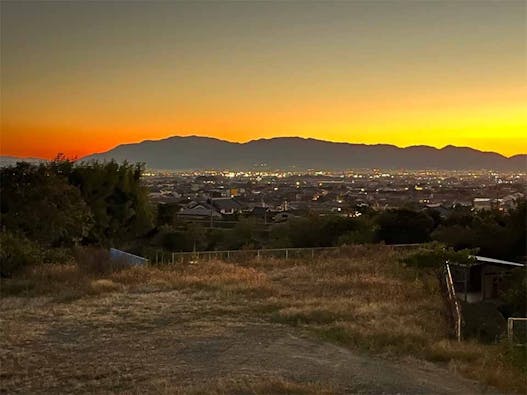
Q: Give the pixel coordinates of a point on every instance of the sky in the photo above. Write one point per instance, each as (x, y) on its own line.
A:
(83, 77)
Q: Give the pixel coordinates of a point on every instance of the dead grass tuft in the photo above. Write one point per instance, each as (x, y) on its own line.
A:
(241, 386)
(104, 285)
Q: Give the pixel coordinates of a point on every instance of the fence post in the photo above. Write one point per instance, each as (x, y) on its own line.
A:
(173, 256)
(510, 324)
(286, 253)
(312, 253)
(228, 255)
(453, 299)
(258, 255)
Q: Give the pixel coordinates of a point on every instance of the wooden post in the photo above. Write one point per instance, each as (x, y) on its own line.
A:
(173, 256)
(258, 255)
(312, 253)
(286, 253)
(228, 255)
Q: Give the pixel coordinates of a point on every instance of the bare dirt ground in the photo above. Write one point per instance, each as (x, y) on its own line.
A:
(181, 341)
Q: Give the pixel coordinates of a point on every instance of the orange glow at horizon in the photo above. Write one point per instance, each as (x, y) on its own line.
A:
(80, 78)
(437, 121)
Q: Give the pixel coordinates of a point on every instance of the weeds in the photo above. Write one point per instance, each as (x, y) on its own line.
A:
(362, 299)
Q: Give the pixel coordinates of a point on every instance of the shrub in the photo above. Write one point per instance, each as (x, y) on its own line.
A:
(16, 254)
(93, 260)
(516, 294)
(436, 256)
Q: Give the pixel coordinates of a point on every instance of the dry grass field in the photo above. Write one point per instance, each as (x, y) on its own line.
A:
(356, 322)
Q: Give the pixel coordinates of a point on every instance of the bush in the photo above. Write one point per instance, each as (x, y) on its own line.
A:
(402, 226)
(436, 256)
(92, 260)
(16, 254)
(57, 255)
(516, 295)
(42, 206)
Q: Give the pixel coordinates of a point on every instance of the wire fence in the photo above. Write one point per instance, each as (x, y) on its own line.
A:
(517, 331)
(164, 257)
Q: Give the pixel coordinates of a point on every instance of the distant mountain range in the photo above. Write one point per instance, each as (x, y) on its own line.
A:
(6, 160)
(199, 153)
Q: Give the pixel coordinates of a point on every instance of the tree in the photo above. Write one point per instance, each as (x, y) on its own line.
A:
(497, 234)
(246, 234)
(401, 226)
(40, 205)
(117, 199)
(167, 213)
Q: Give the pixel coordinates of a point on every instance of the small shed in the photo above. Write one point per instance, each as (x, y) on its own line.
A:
(482, 280)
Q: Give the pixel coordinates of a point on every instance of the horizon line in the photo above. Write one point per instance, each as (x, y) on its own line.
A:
(190, 135)
(305, 138)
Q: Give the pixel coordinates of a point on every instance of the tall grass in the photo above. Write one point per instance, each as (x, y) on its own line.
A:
(362, 298)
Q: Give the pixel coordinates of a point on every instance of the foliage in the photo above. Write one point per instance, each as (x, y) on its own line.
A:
(16, 253)
(245, 234)
(39, 203)
(189, 238)
(117, 199)
(516, 295)
(496, 234)
(93, 260)
(435, 256)
(322, 231)
(167, 214)
(62, 204)
(401, 226)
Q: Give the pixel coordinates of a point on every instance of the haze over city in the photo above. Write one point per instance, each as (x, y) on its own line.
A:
(83, 77)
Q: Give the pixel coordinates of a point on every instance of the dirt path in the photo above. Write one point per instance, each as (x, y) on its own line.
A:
(170, 341)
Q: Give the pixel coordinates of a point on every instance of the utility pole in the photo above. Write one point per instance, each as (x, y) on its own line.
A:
(209, 201)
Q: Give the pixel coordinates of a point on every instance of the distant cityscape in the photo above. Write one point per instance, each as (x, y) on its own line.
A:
(278, 196)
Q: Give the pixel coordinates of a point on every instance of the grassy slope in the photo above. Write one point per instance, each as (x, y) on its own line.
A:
(362, 299)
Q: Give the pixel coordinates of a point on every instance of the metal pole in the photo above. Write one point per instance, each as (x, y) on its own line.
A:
(466, 284)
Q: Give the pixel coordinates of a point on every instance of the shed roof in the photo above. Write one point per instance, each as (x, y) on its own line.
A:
(484, 259)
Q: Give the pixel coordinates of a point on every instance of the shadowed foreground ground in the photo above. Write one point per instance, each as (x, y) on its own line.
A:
(172, 341)
(354, 323)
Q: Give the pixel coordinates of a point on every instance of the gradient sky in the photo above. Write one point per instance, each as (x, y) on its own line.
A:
(82, 77)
